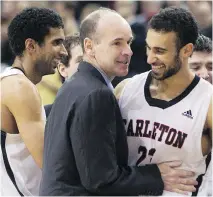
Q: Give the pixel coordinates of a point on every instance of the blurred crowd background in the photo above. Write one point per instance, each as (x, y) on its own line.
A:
(137, 13)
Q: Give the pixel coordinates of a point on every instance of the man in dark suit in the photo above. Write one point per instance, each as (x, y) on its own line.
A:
(85, 149)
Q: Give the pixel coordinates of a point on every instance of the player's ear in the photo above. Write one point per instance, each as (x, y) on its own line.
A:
(30, 45)
(187, 50)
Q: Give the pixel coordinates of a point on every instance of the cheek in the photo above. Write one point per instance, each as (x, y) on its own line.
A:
(100, 50)
(47, 56)
(171, 61)
(197, 72)
(72, 66)
(163, 60)
(71, 63)
(105, 51)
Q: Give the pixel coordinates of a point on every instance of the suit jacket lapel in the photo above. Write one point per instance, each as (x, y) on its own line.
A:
(89, 68)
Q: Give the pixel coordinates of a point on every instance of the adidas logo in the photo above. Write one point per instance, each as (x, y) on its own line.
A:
(188, 114)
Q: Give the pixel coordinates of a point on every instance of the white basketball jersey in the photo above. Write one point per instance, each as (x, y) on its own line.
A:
(14, 155)
(205, 188)
(159, 131)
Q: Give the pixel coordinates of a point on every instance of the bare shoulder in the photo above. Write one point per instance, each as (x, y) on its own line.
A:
(119, 88)
(17, 86)
(18, 90)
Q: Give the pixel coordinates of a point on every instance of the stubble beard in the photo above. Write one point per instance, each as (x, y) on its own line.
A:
(172, 70)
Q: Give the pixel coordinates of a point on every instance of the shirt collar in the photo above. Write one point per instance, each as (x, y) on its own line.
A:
(106, 78)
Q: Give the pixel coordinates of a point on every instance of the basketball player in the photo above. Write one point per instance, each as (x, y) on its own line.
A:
(69, 64)
(36, 38)
(201, 64)
(89, 154)
(167, 109)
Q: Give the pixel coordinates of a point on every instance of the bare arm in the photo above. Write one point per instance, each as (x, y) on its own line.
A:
(24, 102)
(119, 88)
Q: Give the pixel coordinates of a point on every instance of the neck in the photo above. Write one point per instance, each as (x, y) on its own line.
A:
(97, 66)
(176, 83)
(28, 69)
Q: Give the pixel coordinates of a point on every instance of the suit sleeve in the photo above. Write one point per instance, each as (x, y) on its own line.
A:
(93, 138)
(47, 109)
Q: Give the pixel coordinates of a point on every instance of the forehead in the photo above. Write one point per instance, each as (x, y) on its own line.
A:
(112, 26)
(161, 39)
(200, 57)
(54, 34)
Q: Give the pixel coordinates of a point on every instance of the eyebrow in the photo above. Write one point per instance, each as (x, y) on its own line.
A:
(58, 40)
(121, 39)
(195, 63)
(200, 62)
(156, 47)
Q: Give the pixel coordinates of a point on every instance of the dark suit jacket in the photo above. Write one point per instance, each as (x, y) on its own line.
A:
(85, 147)
(47, 109)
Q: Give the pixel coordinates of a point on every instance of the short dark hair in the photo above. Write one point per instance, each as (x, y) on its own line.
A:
(203, 44)
(88, 26)
(178, 20)
(69, 43)
(33, 23)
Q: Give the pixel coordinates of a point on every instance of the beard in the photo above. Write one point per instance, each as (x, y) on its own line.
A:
(172, 70)
(44, 66)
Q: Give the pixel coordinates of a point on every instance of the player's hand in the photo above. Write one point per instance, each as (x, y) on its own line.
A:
(177, 180)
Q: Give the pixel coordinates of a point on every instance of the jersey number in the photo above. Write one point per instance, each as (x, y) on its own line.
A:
(143, 151)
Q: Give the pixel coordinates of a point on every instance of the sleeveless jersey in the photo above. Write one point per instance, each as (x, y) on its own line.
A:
(160, 131)
(20, 174)
(205, 188)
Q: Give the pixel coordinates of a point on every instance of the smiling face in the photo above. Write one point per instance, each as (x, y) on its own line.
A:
(201, 64)
(48, 55)
(111, 48)
(162, 54)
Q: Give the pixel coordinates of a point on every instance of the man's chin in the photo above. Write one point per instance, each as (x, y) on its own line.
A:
(51, 72)
(123, 73)
(157, 76)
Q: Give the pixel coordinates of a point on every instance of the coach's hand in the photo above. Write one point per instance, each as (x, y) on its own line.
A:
(177, 180)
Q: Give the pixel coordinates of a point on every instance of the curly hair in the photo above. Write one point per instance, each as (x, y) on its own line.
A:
(34, 23)
(203, 44)
(178, 20)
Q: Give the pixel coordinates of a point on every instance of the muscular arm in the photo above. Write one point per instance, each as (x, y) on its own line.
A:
(24, 102)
